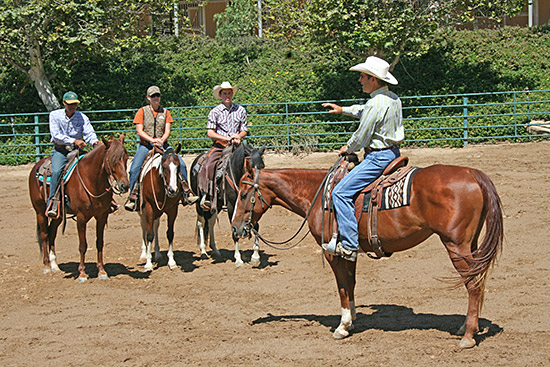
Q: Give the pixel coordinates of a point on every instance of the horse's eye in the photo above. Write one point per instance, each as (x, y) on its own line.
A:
(243, 195)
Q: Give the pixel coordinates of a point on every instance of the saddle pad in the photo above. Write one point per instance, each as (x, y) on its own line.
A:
(153, 161)
(394, 196)
(67, 174)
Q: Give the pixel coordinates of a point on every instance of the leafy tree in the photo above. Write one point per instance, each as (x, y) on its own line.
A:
(43, 37)
(238, 21)
(392, 28)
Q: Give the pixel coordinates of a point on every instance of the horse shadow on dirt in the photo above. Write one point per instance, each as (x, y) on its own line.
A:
(393, 318)
(112, 269)
(226, 256)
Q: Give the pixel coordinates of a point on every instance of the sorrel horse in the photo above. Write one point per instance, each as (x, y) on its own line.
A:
(227, 196)
(450, 201)
(161, 193)
(90, 191)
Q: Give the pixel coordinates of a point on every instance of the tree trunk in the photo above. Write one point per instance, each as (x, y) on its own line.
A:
(37, 74)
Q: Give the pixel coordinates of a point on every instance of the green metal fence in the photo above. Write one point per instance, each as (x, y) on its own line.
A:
(435, 120)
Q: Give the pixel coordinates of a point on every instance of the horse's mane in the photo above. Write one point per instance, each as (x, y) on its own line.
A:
(115, 153)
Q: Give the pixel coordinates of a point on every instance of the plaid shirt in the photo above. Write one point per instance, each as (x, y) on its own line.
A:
(227, 121)
(381, 123)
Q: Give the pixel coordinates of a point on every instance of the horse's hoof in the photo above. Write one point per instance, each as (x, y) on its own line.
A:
(46, 270)
(255, 261)
(55, 269)
(467, 343)
(204, 256)
(103, 277)
(172, 266)
(340, 334)
(238, 264)
(148, 268)
(82, 280)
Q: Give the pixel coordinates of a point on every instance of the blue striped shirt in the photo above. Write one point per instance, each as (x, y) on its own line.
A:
(65, 130)
(381, 122)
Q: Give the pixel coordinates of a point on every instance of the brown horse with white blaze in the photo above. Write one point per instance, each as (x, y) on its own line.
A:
(90, 191)
(161, 193)
(450, 201)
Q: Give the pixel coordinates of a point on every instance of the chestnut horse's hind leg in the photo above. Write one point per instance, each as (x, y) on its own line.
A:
(100, 229)
(475, 293)
(344, 271)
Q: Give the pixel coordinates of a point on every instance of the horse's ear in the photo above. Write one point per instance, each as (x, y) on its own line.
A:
(178, 148)
(262, 150)
(106, 142)
(121, 138)
(248, 165)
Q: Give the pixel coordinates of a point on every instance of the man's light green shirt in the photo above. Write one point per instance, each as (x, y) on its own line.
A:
(381, 124)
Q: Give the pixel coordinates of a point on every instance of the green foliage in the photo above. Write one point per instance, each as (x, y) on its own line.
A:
(239, 20)
(266, 72)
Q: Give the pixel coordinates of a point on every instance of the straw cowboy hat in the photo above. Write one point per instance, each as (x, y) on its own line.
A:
(376, 67)
(224, 85)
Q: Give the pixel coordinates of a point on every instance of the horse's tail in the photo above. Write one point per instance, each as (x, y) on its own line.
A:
(491, 245)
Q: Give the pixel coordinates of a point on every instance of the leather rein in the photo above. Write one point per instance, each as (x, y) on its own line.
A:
(256, 191)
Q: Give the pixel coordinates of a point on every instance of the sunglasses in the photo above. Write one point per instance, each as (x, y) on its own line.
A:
(155, 95)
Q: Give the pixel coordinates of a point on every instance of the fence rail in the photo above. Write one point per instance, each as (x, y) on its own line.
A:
(433, 120)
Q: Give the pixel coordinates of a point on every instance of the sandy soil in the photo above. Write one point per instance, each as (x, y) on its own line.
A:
(282, 313)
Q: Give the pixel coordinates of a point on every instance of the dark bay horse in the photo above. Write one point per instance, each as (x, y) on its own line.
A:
(450, 201)
(90, 191)
(227, 196)
(161, 193)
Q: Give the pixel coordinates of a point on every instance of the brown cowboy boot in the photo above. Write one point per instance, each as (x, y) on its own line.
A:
(132, 202)
(187, 196)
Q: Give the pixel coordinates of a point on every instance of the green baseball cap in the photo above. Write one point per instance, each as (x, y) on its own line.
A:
(70, 97)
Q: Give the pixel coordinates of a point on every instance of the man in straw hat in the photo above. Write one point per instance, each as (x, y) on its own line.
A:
(227, 124)
(70, 129)
(153, 123)
(380, 132)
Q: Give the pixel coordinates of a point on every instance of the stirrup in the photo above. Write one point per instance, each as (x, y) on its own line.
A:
(334, 247)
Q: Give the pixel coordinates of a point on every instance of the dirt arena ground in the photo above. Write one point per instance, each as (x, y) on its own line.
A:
(209, 312)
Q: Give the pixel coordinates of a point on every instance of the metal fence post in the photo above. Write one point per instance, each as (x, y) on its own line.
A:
(287, 127)
(465, 114)
(36, 139)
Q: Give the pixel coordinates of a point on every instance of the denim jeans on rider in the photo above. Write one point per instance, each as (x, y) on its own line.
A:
(139, 158)
(356, 180)
(59, 159)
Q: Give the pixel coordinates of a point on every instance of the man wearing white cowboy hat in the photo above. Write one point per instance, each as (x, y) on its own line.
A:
(227, 124)
(380, 132)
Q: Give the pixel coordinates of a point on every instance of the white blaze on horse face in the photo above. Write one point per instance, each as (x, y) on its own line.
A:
(173, 176)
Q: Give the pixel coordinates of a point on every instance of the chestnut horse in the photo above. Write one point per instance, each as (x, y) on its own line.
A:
(450, 201)
(90, 191)
(227, 195)
(160, 193)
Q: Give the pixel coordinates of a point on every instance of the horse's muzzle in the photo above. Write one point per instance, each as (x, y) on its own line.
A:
(122, 187)
(242, 232)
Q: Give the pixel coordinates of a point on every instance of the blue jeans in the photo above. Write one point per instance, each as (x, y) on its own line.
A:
(139, 158)
(356, 180)
(59, 159)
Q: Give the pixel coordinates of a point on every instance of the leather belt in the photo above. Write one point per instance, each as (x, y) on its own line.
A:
(69, 147)
(368, 150)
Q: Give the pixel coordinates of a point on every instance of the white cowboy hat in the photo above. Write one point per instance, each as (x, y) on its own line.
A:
(224, 85)
(376, 67)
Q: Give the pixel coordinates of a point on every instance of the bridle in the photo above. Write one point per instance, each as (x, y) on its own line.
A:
(256, 191)
(110, 179)
(167, 192)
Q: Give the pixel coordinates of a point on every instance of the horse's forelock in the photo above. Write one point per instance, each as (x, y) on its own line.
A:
(116, 152)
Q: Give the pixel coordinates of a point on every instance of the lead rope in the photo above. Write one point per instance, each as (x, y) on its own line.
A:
(257, 190)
